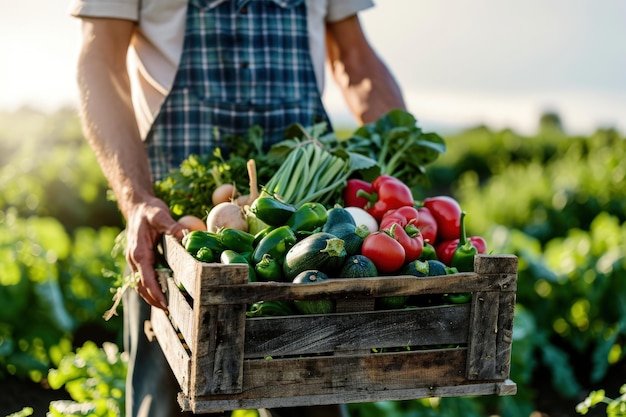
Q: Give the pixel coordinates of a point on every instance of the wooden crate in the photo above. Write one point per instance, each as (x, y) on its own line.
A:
(225, 361)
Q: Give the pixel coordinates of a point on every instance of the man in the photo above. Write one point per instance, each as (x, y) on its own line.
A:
(162, 79)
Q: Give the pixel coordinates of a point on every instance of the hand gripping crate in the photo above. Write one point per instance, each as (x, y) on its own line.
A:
(226, 361)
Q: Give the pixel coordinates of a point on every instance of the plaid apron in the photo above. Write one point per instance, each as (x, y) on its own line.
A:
(244, 63)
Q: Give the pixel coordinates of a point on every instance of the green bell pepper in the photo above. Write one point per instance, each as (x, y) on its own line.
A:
(229, 257)
(205, 255)
(236, 240)
(271, 210)
(308, 217)
(269, 269)
(428, 253)
(276, 243)
(198, 239)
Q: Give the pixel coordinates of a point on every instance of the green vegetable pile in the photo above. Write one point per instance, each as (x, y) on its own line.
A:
(394, 145)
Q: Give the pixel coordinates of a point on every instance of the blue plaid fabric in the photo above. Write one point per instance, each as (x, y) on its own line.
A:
(244, 63)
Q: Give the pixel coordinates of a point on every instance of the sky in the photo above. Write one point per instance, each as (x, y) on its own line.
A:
(459, 63)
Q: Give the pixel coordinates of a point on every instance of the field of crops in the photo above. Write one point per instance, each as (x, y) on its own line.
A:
(554, 200)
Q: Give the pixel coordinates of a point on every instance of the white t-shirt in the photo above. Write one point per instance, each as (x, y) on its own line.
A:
(156, 49)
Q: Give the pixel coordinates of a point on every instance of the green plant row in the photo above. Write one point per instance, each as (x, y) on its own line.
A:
(53, 285)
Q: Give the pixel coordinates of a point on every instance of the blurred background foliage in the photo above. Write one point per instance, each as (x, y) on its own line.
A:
(555, 200)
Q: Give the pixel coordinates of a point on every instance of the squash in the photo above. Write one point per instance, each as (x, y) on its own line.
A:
(322, 251)
(358, 266)
(312, 306)
(436, 268)
(341, 224)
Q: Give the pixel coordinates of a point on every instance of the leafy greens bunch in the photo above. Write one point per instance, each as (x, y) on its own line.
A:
(397, 144)
(188, 188)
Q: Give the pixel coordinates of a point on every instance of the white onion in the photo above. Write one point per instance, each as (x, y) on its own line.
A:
(362, 217)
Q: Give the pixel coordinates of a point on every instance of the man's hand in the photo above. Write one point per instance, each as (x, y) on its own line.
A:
(145, 225)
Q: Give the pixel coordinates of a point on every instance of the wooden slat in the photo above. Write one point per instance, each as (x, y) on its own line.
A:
(504, 341)
(210, 405)
(194, 274)
(495, 264)
(218, 347)
(357, 288)
(338, 379)
(481, 361)
(333, 374)
(172, 347)
(180, 311)
(229, 350)
(301, 335)
(186, 269)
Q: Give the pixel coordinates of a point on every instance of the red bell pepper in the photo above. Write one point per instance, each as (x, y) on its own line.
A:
(460, 252)
(401, 225)
(447, 212)
(388, 193)
(427, 224)
(350, 198)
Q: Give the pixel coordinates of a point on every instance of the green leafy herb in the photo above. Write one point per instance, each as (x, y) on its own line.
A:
(398, 146)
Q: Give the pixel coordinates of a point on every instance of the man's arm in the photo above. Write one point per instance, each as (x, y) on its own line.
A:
(365, 81)
(110, 127)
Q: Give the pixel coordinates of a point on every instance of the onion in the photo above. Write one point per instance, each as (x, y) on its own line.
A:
(224, 193)
(226, 215)
(362, 217)
(191, 223)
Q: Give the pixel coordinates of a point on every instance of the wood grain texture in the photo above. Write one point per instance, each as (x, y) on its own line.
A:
(484, 330)
(210, 405)
(176, 355)
(302, 335)
(181, 312)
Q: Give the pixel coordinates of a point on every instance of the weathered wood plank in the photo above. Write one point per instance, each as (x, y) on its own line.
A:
(181, 312)
(186, 270)
(210, 405)
(203, 349)
(218, 346)
(495, 264)
(194, 274)
(357, 288)
(331, 374)
(482, 356)
(504, 341)
(301, 335)
(176, 355)
(229, 349)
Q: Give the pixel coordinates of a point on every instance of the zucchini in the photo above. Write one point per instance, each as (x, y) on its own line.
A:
(353, 237)
(358, 266)
(416, 268)
(338, 216)
(322, 251)
(436, 268)
(341, 224)
(229, 257)
(312, 306)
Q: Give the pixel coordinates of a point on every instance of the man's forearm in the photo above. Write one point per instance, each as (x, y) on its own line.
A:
(368, 86)
(370, 89)
(107, 113)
